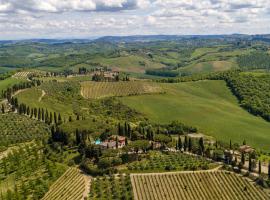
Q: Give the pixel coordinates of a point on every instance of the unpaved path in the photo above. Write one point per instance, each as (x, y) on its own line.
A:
(87, 180)
(42, 95)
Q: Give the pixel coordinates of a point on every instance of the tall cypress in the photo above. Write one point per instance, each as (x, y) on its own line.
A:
(180, 143)
(189, 144)
(185, 143)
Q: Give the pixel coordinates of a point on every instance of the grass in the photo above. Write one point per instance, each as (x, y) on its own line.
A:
(130, 63)
(208, 105)
(4, 84)
(211, 66)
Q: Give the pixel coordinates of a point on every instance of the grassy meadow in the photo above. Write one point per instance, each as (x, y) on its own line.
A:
(208, 105)
(4, 84)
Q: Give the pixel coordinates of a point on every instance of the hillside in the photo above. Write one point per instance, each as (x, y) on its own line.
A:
(208, 105)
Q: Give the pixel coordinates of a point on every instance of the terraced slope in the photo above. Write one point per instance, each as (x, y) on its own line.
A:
(210, 185)
(72, 185)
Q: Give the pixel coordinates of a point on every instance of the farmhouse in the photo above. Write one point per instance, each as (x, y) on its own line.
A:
(114, 142)
(246, 149)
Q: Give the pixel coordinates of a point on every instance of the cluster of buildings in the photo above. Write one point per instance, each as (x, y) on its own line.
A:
(113, 142)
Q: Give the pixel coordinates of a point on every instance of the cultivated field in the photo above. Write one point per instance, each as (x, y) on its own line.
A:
(72, 185)
(208, 105)
(16, 128)
(214, 185)
(113, 187)
(95, 90)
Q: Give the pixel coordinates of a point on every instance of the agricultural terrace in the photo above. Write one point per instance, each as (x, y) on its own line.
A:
(73, 185)
(210, 185)
(208, 105)
(16, 128)
(95, 90)
(161, 162)
(111, 187)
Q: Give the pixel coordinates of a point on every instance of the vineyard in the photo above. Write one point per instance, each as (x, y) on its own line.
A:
(25, 173)
(195, 185)
(16, 128)
(170, 162)
(95, 90)
(22, 74)
(71, 185)
(113, 187)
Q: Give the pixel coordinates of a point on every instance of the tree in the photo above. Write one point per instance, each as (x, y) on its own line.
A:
(185, 143)
(189, 144)
(59, 119)
(180, 146)
(116, 142)
(201, 145)
(3, 108)
(243, 160)
(260, 167)
(269, 170)
(249, 163)
(230, 144)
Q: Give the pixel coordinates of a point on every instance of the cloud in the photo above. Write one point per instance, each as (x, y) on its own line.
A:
(70, 5)
(82, 18)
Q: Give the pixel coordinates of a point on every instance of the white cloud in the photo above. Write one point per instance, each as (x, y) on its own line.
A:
(82, 18)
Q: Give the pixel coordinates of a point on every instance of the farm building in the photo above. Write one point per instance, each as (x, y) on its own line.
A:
(246, 149)
(114, 142)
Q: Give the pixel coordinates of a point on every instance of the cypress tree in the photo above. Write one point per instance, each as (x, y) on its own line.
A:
(126, 141)
(55, 118)
(201, 144)
(42, 114)
(39, 114)
(230, 144)
(260, 167)
(249, 163)
(189, 144)
(3, 108)
(70, 119)
(185, 143)
(59, 118)
(116, 143)
(243, 160)
(176, 145)
(51, 118)
(269, 170)
(180, 143)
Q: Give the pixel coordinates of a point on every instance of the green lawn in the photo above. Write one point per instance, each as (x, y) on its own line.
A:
(208, 105)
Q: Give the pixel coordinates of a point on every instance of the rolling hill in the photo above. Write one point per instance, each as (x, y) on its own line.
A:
(208, 105)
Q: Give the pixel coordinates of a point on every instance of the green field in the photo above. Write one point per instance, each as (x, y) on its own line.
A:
(208, 105)
(128, 63)
(4, 84)
(211, 66)
(95, 90)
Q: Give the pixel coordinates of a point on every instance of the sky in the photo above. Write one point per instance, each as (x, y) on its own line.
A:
(58, 19)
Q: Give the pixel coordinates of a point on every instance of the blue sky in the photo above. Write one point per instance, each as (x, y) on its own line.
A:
(22, 19)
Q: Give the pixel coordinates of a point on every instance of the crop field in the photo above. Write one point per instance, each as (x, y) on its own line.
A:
(159, 162)
(16, 128)
(208, 105)
(95, 90)
(113, 187)
(195, 185)
(211, 66)
(71, 185)
(129, 63)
